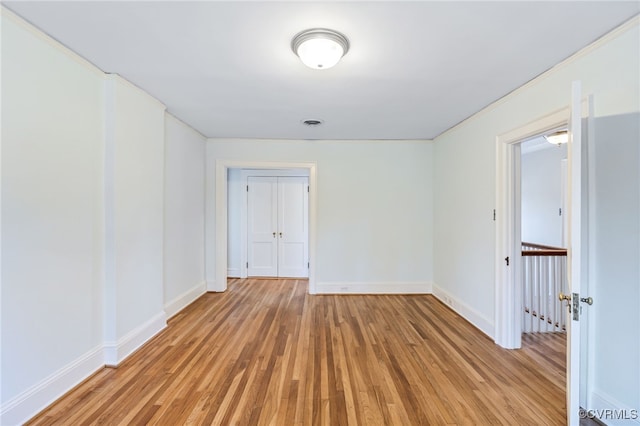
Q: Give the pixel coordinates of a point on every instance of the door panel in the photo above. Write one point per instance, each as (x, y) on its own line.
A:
(577, 260)
(293, 227)
(262, 217)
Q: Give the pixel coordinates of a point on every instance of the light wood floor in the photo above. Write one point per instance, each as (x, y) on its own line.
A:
(265, 352)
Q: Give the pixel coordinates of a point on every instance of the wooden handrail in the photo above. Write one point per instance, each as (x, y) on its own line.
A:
(542, 250)
(562, 252)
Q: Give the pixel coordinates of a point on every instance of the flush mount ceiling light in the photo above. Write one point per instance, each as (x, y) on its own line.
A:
(320, 48)
(558, 138)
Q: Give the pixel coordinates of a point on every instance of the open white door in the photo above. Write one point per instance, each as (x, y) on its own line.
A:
(577, 237)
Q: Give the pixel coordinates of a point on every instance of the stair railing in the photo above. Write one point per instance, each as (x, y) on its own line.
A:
(544, 275)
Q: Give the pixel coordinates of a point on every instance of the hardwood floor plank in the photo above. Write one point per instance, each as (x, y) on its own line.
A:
(266, 353)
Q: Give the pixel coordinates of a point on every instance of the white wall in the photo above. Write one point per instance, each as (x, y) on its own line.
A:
(83, 182)
(617, 260)
(374, 218)
(134, 211)
(541, 178)
(52, 222)
(465, 167)
(183, 215)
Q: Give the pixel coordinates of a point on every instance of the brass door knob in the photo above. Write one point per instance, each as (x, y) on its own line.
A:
(587, 300)
(562, 296)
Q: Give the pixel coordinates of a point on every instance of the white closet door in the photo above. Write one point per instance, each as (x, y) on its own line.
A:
(293, 227)
(262, 218)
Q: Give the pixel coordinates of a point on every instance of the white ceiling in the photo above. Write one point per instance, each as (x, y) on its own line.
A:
(414, 69)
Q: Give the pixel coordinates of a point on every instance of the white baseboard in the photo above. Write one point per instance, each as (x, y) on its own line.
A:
(185, 299)
(213, 286)
(476, 319)
(27, 404)
(116, 352)
(233, 272)
(410, 287)
(612, 412)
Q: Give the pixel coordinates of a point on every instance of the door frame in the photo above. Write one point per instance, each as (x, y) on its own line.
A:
(508, 295)
(244, 207)
(220, 219)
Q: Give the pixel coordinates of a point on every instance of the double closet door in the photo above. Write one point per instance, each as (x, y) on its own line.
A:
(278, 226)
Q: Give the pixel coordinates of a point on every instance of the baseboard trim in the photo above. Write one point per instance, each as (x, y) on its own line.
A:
(474, 317)
(611, 412)
(26, 405)
(213, 287)
(184, 300)
(116, 352)
(408, 287)
(233, 272)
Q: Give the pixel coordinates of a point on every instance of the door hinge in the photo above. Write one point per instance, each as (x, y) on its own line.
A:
(494, 215)
(247, 264)
(560, 211)
(307, 188)
(247, 188)
(506, 259)
(307, 265)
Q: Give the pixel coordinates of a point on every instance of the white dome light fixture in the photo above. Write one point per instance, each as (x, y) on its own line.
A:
(558, 138)
(320, 48)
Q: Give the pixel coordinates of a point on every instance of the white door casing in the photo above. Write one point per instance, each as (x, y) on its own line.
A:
(216, 223)
(508, 292)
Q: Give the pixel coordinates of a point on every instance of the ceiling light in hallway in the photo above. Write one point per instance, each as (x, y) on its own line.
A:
(558, 138)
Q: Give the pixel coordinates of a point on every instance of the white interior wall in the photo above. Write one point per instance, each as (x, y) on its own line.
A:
(183, 215)
(374, 218)
(464, 184)
(52, 222)
(617, 256)
(541, 178)
(134, 210)
(83, 172)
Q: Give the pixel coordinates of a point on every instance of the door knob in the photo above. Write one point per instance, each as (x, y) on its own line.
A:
(562, 296)
(274, 235)
(281, 235)
(587, 300)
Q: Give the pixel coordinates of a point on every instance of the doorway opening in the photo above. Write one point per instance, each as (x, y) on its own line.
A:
(509, 294)
(543, 230)
(217, 254)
